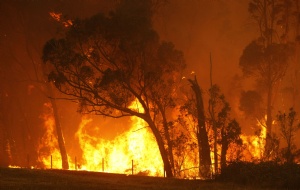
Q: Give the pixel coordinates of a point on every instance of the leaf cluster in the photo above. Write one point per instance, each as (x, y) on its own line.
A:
(107, 61)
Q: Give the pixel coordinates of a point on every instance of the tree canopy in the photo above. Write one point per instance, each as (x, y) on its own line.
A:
(108, 61)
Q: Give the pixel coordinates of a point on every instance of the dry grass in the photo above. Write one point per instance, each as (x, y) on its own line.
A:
(11, 178)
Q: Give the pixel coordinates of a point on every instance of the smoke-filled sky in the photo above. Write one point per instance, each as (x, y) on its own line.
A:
(199, 28)
(202, 28)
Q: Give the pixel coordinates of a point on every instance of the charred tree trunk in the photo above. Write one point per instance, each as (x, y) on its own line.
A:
(268, 145)
(161, 147)
(223, 150)
(212, 114)
(169, 142)
(60, 138)
(168, 138)
(202, 137)
(61, 143)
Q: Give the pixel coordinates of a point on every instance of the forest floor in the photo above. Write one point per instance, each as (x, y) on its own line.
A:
(14, 178)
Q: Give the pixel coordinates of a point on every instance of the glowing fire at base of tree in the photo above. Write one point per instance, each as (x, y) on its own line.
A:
(49, 155)
(133, 152)
(136, 146)
(255, 145)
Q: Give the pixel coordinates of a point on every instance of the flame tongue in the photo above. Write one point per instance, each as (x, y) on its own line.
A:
(255, 143)
(49, 155)
(133, 151)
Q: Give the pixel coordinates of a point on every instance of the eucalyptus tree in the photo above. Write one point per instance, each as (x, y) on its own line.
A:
(288, 128)
(201, 131)
(267, 58)
(228, 128)
(108, 62)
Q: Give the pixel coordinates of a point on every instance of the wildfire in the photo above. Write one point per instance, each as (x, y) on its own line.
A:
(49, 155)
(255, 143)
(134, 151)
(59, 18)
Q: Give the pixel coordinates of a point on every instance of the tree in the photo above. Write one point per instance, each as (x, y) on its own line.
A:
(212, 103)
(227, 129)
(108, 62)
(185, 152)
(288, 130)
(30, 65)
(213, 92)
(266, 58)
(230, 134)
(201, 132)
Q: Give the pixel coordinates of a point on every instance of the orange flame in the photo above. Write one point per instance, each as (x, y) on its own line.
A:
(134, 151)
(49, 155)
(255, 143)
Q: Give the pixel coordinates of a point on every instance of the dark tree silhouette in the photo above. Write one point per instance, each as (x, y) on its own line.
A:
(268, 65)
(108, 62)
(24, 58)
(267, 58)
(201, 132)
(227, 129)
(288, 127)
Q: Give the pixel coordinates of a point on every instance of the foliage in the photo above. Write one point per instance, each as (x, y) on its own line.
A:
(276, 18)
(228, 129)
(267, 58)
(288, 130)
(108, 62)
(184, 149)
(267, 64)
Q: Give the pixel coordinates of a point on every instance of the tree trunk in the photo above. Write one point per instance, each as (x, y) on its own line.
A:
(170, 146)
(167, 135)
(223, 151)
(212, 113)
(268, 145)
(202, 137)
(160, 143)
(60, 138)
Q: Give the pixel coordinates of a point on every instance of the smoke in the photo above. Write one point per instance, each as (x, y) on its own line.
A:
(199, 28)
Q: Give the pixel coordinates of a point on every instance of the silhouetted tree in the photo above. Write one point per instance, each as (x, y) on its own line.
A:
(288, 130)
(108, 62)
(212, 104)
(201, 132)
(230, 134)
(31, 66)
(227, 129)
(266, 58)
